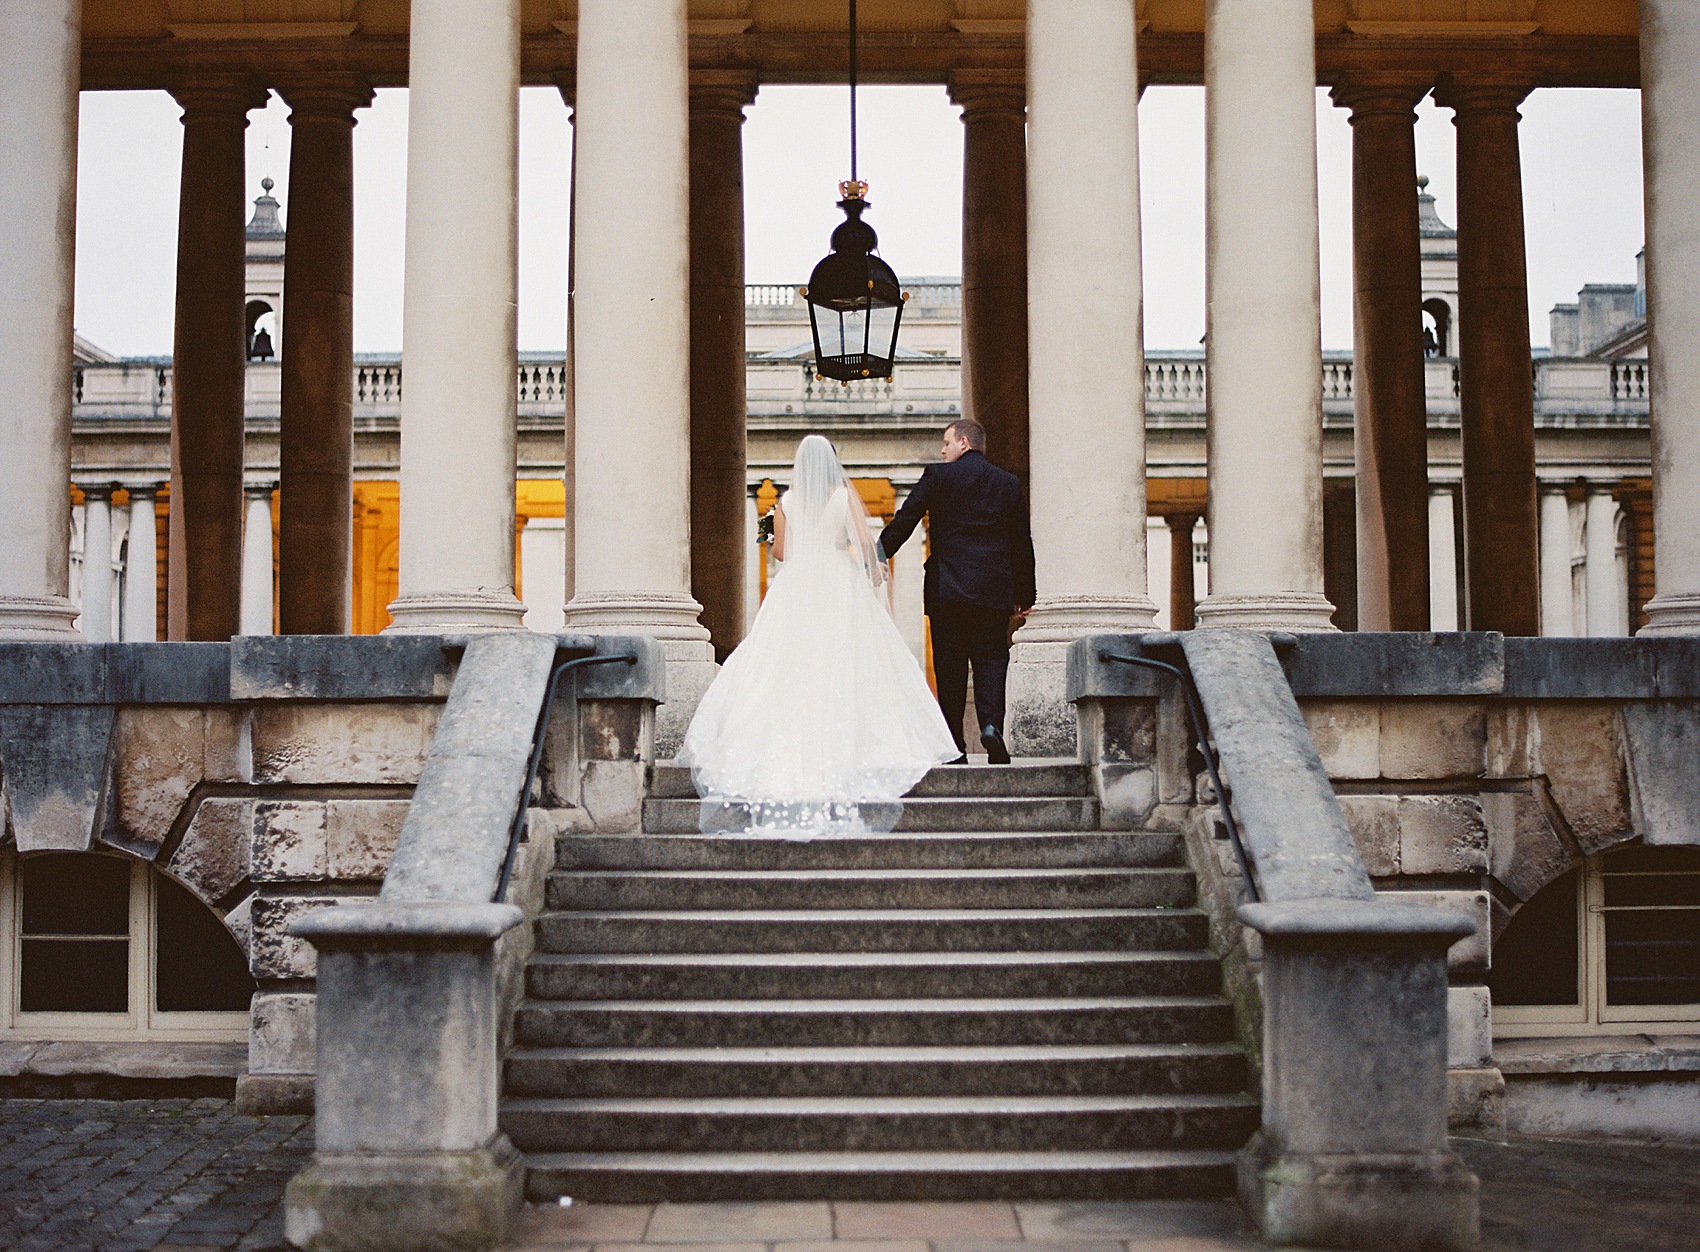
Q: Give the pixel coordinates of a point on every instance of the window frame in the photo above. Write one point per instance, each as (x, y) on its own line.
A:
(142, 1020)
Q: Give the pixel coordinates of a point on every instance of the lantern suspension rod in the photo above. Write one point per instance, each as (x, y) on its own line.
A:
(853, 91)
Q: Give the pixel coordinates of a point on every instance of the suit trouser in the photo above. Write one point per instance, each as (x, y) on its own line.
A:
(965, 634)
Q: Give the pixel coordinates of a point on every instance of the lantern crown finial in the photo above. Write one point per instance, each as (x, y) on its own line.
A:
(853, 189)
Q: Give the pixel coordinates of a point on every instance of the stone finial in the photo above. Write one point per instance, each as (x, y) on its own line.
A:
(265, 224)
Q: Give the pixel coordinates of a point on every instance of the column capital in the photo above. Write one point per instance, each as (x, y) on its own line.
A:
(142, 491)
(1381, 95)
(259, 491)
(219, 95)
(330, 95)
(1481, 94)
(97, 491)
(984, 93)
(727, 92)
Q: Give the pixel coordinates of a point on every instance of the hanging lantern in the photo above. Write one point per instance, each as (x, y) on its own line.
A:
(854, 301)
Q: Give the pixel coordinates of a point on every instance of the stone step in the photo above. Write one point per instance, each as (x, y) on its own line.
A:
(879, 1123)
(875, 930)
(913, 850)
(678, 817)
(1038, 776)
(642, 1177)
(871, 1023)
(1005, 1071)
(871, 889)
(867, 976)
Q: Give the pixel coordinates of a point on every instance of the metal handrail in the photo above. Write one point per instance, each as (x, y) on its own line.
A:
(1195, 716)
(535, 762)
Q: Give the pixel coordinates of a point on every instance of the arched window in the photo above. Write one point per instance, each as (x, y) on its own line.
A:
(101, 946)
(262, 331)
(1611, 946)
(1437, 328)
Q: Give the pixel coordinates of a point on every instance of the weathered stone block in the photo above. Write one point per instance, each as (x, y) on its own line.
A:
(1511, 740)
(213, 855)
(1524, 851)
(1442, 835)
(1581, 754)
(289, 841)
(56, 759)
(1433, 739)
(1040, 720)
(280, 1033)
(1475, 1103)
(342, 743)
(1174, 752)
(1469, 1027)
(229, 751)
(612, 793)
(361, 836)
(1663, 741)
(1374, 823)
(273, 952)
(1347, 734)
(240, 923)
(160, 758)
(1470, 954)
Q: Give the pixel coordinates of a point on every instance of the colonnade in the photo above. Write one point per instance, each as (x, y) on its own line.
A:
(1052, 333)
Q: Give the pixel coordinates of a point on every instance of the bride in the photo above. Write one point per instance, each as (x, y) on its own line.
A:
(821, 719)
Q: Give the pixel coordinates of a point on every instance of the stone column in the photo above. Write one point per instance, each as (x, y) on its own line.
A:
(1501, 549)
(141, 569)
(1442, 561)
(257, 559)
(1604, 593)
(1389, 384)
(994, 261)
(1555, 564)
(1264, 347)
(40, 62)
(1670, 128)
(1182, 604)
(719, 414)
(1086, 359)
(316, 433)
(631, 253)
(97, 563)
(458, 424)
(209, 361)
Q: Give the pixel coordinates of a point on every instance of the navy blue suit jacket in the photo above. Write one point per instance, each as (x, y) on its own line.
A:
(982, 548)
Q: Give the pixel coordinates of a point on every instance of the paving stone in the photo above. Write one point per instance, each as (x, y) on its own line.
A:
(550, 1224)
(675, 1223)
(924, 1220)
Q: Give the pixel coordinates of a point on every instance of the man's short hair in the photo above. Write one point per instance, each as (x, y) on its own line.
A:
(967, 428)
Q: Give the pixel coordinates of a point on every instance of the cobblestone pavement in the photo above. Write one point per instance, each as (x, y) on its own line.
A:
(128, 1175)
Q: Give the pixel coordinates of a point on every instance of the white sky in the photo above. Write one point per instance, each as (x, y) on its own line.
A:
(1581, 179)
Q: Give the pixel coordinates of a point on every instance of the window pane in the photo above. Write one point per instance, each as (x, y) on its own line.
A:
(1536, 960)
(70, 893)
(198, 966)
(75, 976)
(1630, 889)
(1653, 956)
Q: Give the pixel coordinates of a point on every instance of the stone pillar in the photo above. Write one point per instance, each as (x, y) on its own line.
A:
(1555, 564)
(209, 361)
(1670, 129)
(458, 424)
(1604, 614)
(316, 433)
(1442, 561)
(994, 262)
(97, 563)
(257, 560)
(1501, 557)
(1086, 360)
(40, 62)
(141, 569)
(631, 253)
(1389, 384)
(1264, 346)
(1182, 605)
(719, 494)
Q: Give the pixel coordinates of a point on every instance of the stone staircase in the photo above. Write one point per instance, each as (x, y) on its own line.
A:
(995, 1000)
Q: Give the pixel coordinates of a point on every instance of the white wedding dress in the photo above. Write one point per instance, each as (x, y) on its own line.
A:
(821, 719)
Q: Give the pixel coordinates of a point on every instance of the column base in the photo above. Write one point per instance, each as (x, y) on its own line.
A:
(671, 619)
(455, 612)
(38, 618)
(1283, 610)
(1040, 720)
(1677, 613)
(1425, 1200)
(439, 1202)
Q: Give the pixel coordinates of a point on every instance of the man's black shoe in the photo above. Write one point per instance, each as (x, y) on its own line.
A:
(961, 760)
(992, 741)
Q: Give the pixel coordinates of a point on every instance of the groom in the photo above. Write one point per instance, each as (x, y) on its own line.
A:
(979, 573)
